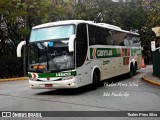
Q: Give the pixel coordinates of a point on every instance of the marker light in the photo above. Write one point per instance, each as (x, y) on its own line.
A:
(39, 67)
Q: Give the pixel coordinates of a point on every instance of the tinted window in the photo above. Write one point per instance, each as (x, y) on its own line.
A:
(132, 40)
(81, 44)
(50, 33)
(120, 38)
(97, 35)
(115, 37)
(104, 36)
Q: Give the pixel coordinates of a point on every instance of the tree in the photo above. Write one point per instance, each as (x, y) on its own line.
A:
(17, 17)
(153, 9)
(12, 13)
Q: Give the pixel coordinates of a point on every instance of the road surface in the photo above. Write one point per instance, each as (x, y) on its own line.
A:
(117, 94)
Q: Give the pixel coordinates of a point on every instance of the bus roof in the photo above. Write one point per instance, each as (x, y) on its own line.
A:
(66, 22)
(61, 23)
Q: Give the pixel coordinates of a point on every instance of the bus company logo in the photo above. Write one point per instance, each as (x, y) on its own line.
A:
(104, 53)
(101, 53)
(122, 52)
(34, 75)
(94, 53)
(128, 52)
(125, 52)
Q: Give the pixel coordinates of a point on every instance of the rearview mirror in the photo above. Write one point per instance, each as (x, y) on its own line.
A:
(71, 43)
(19, 48)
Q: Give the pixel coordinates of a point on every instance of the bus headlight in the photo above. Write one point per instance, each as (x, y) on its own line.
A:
(72, 84)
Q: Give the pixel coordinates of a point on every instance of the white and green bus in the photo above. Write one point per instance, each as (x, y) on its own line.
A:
(74, 53)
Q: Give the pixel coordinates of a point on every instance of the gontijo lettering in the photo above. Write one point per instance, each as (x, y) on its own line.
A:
(104, 53)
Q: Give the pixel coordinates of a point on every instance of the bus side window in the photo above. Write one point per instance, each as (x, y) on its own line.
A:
(96, 35)
(109, 37)
(92, 40)
(103, 37)
(92, 36)
(115, 37)
(81, 44)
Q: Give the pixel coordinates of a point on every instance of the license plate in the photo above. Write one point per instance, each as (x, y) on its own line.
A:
(48, 85)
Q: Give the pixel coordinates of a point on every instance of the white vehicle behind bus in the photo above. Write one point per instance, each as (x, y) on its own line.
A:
(74, 53)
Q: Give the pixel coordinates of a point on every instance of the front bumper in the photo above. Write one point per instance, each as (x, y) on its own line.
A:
(54, 84)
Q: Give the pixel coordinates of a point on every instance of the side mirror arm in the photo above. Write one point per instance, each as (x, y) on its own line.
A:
(71, 43)
(19, 48)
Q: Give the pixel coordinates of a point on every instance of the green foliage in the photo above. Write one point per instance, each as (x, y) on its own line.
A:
(153, 10)
(19, 16)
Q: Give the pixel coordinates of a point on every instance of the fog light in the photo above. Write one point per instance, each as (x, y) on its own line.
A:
(72, 84)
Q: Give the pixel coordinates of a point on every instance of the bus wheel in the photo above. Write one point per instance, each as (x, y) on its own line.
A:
(135, 69)
(131, 72)
(95, 80)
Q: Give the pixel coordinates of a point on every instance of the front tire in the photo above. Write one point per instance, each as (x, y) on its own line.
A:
(95, 80)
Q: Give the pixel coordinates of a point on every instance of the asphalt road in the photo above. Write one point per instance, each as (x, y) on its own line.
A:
(117, 94)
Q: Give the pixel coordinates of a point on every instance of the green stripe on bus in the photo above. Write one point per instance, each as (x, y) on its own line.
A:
(58, 74)
(135, 51)
(29, 75)
(104, 52)
(113, 52)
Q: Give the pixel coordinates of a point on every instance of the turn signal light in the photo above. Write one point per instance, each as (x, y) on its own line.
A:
(39, 67)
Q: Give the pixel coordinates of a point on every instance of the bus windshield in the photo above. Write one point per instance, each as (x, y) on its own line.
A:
(49, 33)
(48, 49)
(53, 56)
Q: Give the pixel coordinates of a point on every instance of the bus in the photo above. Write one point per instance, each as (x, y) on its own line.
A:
(75, 53)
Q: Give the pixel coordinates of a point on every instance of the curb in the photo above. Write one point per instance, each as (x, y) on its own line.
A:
(151, 81)
(14, 79)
